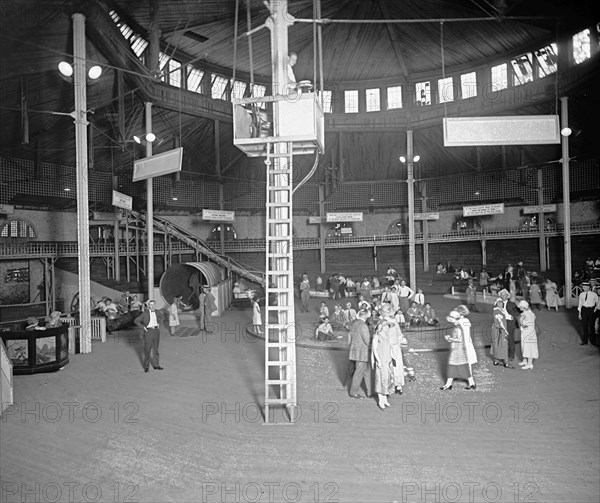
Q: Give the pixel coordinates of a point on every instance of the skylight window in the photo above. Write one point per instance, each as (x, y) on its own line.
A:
(327, 104)
(373, 100)
(194, 79)
(423, 95)
(445, 90)
(351, 101)
(468, 85)
(218, 87)
(523, 69)
(238, 89)
(581, 46)
(547, 58)
(499, 77)
(394, 97)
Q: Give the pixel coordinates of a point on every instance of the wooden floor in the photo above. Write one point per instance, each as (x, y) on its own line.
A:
(103, 430)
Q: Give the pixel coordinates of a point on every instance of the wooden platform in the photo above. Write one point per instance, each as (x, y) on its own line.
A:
(193, 431)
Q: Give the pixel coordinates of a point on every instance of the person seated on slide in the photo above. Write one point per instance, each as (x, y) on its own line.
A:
(110, 309)
(54, 321)
(33, 324)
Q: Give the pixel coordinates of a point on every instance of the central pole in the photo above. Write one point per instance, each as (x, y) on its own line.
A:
(564, 112)
(410, 180)
(149, 208)
(81, 148)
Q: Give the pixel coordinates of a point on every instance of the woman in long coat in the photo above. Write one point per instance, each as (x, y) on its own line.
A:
(462, 352)
(396, 337)
(499, 349)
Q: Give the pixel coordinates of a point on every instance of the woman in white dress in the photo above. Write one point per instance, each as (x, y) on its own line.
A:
(174, 314)
(551, 294)
(529, 344)
(256, 316)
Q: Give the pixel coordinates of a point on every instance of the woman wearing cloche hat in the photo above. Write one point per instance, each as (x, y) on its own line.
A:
(529, 344)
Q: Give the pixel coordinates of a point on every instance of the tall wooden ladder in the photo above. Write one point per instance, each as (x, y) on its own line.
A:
(280, 329)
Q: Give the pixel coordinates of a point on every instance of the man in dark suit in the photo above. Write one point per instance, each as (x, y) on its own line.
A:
(512, 313)
(149, 321)
(360, 347)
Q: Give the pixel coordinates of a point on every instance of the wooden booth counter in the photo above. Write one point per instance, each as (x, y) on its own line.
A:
(33, 351)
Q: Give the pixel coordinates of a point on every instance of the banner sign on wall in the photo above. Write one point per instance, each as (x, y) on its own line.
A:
(345, 217)
(122, 200)
(427, 216)
(218, 215)
(315, 220)
(7, 209)
(483, 209)
(546, 208)
(158, 165)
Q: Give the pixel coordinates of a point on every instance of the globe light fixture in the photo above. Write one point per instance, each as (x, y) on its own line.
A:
(566, 131)
(65, 69)
(94, 72)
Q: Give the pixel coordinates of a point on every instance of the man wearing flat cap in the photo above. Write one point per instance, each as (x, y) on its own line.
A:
(588, 307)
(149, 321)
(512, 313)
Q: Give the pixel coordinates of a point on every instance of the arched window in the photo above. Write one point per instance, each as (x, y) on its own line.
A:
(16, 229)
(230, 233)
(396, 227)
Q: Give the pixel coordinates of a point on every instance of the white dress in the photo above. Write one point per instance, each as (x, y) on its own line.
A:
(173, 315)
(256, 317)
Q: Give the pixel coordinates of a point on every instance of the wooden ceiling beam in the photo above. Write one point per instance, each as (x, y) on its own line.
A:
(394, 40)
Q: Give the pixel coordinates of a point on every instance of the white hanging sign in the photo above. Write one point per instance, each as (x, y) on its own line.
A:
(121, 200)
(427, 216)
(345, 217)
(546, 208)
(218, 215)
(483, 209)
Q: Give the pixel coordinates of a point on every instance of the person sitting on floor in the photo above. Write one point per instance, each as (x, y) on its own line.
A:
(338, 318)
(324, 331)
(323, 311)
(429, 315)
(349, 313)
(415, 317)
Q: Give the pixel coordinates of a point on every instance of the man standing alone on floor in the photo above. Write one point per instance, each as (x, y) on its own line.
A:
(360, 349)
(149, 321)
(587, 307)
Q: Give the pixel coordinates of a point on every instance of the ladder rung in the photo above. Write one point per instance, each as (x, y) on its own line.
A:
(286, 254)
(280, 363)
(280, 308)
(279, 344)
(280, 187)
(280, 290)
(269, 401)
(278, 381)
